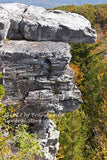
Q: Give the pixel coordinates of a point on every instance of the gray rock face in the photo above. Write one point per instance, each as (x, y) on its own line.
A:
(40, 70)
(37, 24)
(56, 26)
(36, 75)
(4, 24)
(15, 12)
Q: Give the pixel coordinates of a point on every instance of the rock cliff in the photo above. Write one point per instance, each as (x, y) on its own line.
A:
(35, 66)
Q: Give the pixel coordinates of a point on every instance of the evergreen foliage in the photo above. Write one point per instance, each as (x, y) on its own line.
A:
(92, 87)
(83, 132)
(91, 77)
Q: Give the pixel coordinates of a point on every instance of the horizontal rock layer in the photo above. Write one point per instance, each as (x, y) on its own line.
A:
(36, 75)
(38, 79)
(36, 71)
(37, 24)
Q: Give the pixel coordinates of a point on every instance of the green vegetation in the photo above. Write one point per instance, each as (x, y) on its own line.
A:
(93, 89)
(16, 143)
(83, 132)
(73, 133)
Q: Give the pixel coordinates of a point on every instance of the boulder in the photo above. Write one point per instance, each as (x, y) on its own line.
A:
(55, 25)
(37, 24)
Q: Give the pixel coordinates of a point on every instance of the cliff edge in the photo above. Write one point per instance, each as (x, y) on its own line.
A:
(35, 65)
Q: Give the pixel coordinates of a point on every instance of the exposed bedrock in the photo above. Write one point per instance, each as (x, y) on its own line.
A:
(36, 76)
(37, 24)
(41, 71)
(35, 66)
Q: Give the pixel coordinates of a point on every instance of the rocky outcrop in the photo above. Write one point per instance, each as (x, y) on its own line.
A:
(55, 26)
(36, 75)
(41, 71)
(37, 24)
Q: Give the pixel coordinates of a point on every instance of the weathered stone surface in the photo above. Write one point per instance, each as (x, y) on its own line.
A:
(36, 76)
(40, 69)
(15, 12)
(56, 26)
(4, 24)
(37, 24)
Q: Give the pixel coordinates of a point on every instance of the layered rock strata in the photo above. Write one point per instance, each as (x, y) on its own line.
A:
(36, 74)
(37, 24)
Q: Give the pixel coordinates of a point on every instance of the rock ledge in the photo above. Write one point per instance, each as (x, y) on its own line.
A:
(35, 66)
(37, 24)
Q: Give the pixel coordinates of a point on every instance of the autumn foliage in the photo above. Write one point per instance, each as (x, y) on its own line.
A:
(83, 133)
